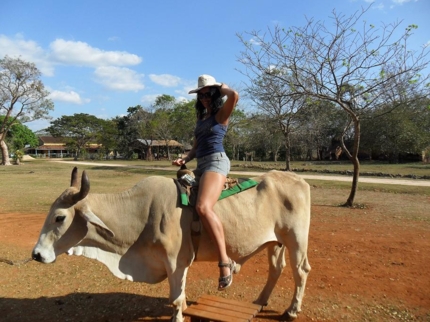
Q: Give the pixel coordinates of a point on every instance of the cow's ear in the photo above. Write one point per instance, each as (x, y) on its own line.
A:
(92, 218)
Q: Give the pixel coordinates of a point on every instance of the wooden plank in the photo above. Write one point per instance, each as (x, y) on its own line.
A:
(193, 311)
(222, 311)
(214, 308)
(235, 302)
(223, 306)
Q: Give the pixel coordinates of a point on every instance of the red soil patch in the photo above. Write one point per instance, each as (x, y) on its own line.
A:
(366, 266)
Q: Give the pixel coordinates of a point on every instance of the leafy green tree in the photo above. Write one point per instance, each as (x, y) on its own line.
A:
(143, 121)
(162, 119)
(404, 130)
(320, 126)
(352, 64)
(78, 131)
(19, 136)
(22, 96)
(129, 129)
(264, 138)
(235, 139)
(183, 121)
(108, 137)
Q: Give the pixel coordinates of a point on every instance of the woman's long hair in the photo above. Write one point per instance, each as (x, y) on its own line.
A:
(216, 103)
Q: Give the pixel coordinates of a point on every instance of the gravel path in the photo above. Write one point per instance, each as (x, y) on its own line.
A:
(422, 183)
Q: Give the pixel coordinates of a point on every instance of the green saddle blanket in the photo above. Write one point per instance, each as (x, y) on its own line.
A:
(242, 185)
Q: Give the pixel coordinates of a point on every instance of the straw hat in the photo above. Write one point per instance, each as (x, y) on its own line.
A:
(205, 81)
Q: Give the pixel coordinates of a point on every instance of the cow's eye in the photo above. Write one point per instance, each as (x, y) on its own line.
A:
(60, 218)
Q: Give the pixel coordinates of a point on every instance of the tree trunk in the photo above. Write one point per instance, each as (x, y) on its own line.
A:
(350, 200)
(287, 153)
(5, 153)
(149, 156)
(356, 163)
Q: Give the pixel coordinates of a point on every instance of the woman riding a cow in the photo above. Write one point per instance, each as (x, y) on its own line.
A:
(212, 162)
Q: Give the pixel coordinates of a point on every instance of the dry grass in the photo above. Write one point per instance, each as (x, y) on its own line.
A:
(18, 184)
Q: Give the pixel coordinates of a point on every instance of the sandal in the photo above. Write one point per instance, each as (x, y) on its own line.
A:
(225, 281)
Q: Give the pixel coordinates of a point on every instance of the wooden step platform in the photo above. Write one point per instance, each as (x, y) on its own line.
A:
(214, 308)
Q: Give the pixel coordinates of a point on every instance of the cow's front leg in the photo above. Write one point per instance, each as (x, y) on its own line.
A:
(177, 281)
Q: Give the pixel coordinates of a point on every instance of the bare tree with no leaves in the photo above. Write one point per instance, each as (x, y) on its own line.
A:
(350, 63)
(23, 97)
(273, 97)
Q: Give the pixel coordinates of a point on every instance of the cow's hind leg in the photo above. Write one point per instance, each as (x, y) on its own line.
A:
(177, 281)
(276, 258)
(297, 247)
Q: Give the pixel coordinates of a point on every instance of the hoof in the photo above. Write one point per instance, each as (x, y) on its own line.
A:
(237, 268)
(288, 316)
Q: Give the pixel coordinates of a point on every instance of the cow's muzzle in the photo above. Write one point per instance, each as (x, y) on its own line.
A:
(38, 257)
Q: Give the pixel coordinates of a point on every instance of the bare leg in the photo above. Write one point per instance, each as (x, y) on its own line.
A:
(210, 188)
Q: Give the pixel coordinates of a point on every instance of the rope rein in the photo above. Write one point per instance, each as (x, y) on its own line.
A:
(17, 263)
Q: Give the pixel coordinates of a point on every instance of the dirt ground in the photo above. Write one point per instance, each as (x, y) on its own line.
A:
(367, 265)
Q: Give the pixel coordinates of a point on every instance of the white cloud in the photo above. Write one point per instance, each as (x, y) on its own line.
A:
(188, 86)
(165, 80)
(255, 42)
(69, 97)
(379, 6)
(149, 99)
(38, 125)
(65, 52)
(119, 78)
(27, 50)
(80, 53)
(182, 99)
(402, 1)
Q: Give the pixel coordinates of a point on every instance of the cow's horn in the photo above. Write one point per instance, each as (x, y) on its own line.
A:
(74, 180)
(85, 188)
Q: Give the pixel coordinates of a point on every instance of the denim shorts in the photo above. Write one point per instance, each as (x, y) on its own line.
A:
(217, 162)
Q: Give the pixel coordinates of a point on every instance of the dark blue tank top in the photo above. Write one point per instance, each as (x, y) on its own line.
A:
(209, 135)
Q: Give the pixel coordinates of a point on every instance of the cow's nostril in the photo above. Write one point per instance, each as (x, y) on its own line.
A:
(36, 257)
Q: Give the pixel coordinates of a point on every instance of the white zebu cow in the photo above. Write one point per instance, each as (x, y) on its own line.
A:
(144, 234)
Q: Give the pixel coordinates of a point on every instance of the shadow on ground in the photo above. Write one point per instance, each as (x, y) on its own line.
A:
(109, 307)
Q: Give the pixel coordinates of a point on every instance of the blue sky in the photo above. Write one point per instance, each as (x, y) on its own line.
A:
(101, 57)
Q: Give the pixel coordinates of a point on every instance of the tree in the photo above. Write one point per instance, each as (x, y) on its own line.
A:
(356, 68)
(264, 137)
(22, 96)
(107, 138)
(236, 134)
(19, 136)
(274, 98)
(320, 124)
(183, 121)
(129, 129)
(142, 121)
(162, 120)
(78, 130)
(405, 130)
